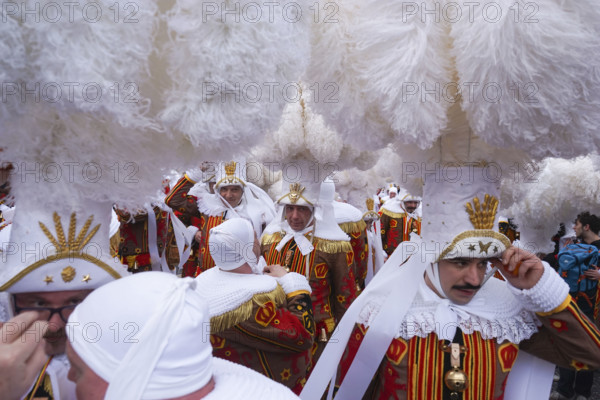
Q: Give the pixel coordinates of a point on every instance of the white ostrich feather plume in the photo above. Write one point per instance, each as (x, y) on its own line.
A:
(539, 198)
(526, 74)
(304, 135)
(232, 73)
(114, 100)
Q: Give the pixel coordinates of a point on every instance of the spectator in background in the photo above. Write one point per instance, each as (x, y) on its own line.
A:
(572, 382)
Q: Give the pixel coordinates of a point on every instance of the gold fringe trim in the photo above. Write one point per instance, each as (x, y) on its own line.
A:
(332, 246)
(48, 385)
(353, 227)
(324, 245)
(392, 214)
(271, 238)
(243, 312)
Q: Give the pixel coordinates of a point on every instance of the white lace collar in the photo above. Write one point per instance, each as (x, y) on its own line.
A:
(494, 312)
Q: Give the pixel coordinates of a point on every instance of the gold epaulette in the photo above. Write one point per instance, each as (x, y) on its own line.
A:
(243, 312)
(332, 246)
(353, 227)
(392, 214)
(271, 238)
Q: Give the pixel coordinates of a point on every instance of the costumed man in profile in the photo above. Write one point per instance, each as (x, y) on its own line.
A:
(234, 197)
(437, 328)
(58, 253)
(306, 239)
(399, 219)
(263, 322)
(350, 220)
(166, 353)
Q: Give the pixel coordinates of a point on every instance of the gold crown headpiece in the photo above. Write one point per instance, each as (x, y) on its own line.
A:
(230, 177)
(370, 214)
(230, 169)
(295, 192)
(482, 216)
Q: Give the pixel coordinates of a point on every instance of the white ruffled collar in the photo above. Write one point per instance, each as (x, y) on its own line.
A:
(226, 291)
(393, 205)
(502, 318)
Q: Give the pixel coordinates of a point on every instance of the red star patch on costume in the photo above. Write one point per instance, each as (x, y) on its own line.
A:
(560, 326)
(579, 365)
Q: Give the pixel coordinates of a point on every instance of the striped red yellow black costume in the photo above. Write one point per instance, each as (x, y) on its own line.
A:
(396, 225)
(185, 208)
(351, 222)
(486, 362)
(324, 255)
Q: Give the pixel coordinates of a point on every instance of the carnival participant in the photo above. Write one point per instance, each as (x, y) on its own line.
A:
(439, 328)
(263, 322)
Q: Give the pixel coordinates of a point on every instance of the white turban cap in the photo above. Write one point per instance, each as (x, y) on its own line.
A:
(231, 244)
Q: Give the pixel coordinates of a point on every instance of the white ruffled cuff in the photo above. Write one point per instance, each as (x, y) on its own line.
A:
(293, 282)
(549, 293)
(194, 174)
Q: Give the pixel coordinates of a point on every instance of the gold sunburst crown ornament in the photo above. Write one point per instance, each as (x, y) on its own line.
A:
(295, 192)
(230, 178)
(230, 169)
(74, 244)
(482, 216)
(370, 214)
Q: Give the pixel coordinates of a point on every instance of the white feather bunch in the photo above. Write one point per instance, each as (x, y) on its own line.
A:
(554, 192)
(542, 57)
(377, 55)
(303, 134)
(355, 186)
(229, 70)
(120, 75)
(12, 63)
(536, 71)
